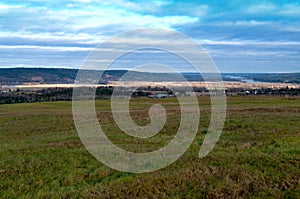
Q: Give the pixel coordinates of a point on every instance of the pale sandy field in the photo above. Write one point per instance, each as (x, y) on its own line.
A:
(169, 84)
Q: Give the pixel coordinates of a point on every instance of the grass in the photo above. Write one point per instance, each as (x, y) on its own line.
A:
(258, 154)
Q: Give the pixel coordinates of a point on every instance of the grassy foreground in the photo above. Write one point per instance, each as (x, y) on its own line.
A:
(258, 154)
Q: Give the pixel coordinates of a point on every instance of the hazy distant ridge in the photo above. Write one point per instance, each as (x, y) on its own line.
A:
(15, 76)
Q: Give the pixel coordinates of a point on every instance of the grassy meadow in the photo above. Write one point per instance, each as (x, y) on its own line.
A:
(257, 156)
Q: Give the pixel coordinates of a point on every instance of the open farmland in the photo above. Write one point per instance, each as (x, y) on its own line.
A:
(228, 84)
(258, 154)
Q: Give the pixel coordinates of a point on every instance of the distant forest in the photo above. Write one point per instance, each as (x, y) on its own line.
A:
(19, 76)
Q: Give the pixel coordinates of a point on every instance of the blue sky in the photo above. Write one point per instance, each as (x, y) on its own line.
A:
(240, 36)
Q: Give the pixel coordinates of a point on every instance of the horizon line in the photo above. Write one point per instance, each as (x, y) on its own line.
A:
(121, 69)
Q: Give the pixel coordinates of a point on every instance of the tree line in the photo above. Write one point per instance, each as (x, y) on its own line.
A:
(65, 94)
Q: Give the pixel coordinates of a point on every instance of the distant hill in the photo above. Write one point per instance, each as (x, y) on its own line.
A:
(17, 76)
(13, 76)
(278, 77)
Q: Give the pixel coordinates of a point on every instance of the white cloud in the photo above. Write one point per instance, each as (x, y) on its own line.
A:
(58, 38)
(7, 7)
(96, 17)
(143, 6)
(267, 8)
(261, 8)
(83, 1)
(290, 10)
(252, 23)
(53, 48)
(248, 42)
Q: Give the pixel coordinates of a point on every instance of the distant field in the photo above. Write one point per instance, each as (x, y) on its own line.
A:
(257, 156)
(228, 84)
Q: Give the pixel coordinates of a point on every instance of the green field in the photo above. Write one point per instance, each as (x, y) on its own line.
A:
(257, 156)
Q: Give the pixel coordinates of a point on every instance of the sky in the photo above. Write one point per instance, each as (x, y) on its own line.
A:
(240, 36)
